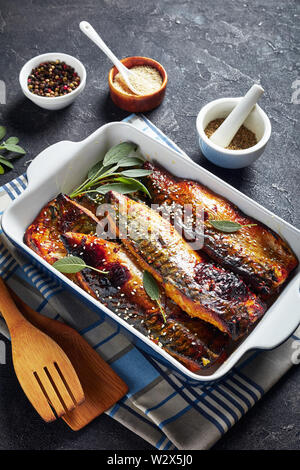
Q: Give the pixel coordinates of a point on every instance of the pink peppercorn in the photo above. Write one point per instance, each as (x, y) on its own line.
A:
(48, 77)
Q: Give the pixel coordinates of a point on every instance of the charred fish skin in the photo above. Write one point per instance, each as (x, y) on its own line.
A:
(75, 216)
(122, 291)
(192, 342)
(58, 216)
(43, 235)
(200, 289)
(256, 253)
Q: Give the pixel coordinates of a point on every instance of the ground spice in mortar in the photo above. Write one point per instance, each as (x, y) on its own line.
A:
(243, 139)
(147, 80)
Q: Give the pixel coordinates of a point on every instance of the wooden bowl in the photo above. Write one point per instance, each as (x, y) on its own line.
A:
(137, 103)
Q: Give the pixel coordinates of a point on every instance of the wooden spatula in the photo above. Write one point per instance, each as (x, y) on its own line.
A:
(101, 385)
(43, 369)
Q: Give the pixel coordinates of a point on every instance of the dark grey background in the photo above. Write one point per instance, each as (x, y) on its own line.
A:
(210, 50)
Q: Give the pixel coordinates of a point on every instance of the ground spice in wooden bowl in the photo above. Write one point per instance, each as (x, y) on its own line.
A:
(147, 80)
(243, 139)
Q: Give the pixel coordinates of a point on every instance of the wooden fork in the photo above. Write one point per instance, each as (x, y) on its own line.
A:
(102, 387)
(43, 369)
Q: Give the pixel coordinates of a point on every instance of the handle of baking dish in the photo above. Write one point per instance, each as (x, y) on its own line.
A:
(46, 162)
(281, 320)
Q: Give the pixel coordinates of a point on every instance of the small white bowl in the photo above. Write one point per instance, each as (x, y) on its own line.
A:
(257, 122)
(57, 102)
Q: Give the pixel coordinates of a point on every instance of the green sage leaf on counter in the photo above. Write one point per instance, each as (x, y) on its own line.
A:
(117, 152)
(13, 148)
(5, 162)
(12, 140)
(72, 265)
(228, 226)
(10, 145)
(2, 132)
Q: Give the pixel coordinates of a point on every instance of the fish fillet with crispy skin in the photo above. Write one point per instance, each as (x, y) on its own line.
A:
(256, 253)
(194, 343)
(121, 290)
(200, 288)
(58, 216)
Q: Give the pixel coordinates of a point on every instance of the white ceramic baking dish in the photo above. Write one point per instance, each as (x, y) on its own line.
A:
(63, 166)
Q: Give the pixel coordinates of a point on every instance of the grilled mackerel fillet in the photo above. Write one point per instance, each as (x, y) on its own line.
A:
(193, 342)
(197, 346)
(256, 253)
(200, 288)
(60, 215)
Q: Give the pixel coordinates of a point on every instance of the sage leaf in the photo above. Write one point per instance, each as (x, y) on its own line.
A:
(72, 265)
(69, 264)
(10, 145)
(95, 170)
(109, 171)
(2, 132)
(136, 173)
(6, 162)
(228, 226)
(130, 161)
(151, 286)
(118, 152)
(12, 140)
(152, 289)
(99, 171)
(122, 188)
(134, 183)
(14, 148)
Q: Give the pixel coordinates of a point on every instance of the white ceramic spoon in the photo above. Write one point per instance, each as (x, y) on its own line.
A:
(89, 31)
(227, 130)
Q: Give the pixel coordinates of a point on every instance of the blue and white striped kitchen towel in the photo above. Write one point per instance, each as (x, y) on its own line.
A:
(159, 407)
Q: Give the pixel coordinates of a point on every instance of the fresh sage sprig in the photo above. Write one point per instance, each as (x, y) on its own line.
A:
(72, 265)
(228, 226)
(112, 173)
(9, 145)
(152, 289)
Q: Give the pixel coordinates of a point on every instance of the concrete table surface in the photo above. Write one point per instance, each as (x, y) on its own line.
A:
(209, 50)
